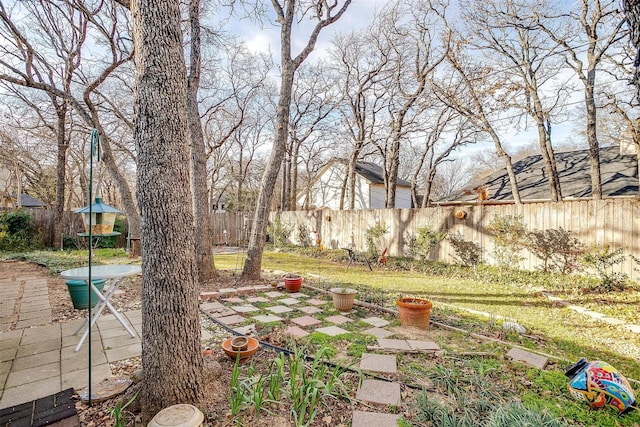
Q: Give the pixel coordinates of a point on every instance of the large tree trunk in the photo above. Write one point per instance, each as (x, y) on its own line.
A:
(171, 354)
(592, 137)
(202, 221)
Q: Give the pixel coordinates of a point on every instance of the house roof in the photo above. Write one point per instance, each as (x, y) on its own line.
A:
(619, 174)
(374, 174)
(28, 202)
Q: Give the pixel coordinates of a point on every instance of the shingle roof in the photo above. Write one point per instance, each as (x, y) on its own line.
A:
(29, 202)
(374, 174)
(619, 174)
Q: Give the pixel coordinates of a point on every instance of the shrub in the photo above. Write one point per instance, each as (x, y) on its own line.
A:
(468, 253)
(601, 260)
(303, 235)
(425, 241)
(279, 231)
(558, 249)
(373, 236)
(17, 231)
(509, 238)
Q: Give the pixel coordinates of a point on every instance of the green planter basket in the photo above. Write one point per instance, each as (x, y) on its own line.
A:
(78, 290)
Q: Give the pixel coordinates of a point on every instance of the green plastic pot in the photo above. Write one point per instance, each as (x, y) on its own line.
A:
(78, 290)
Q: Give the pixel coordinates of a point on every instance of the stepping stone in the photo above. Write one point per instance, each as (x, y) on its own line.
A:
(248, 308)
(338, 320)
(391, 344)
(258, 299)
(207, 306)
(267, 318)
(376, 322)
(274, 294)
(382, 363)
(593, 314)
(244, 290)
(223, 312)
(289, 301)
(296, 332)
(535, 360)
(297, 295)
(231, 320)
(278, 309)
(378, 332)
(309, 309)
(332, 331)
(368, 419)
(246, 330)
(208, 296)
(423, 345)
(227, 291)
(261, 288)
(378, 391)
(613, 321)
(633, 328)
(316, 301)
(234, 300)
(306, 321)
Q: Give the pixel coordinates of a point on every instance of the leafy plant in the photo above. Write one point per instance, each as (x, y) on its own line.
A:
(373, 236)
(509, 238)
(558, 249)
(421, 244)
(303, 235)
(602, 260)
(17, 231)
(516, 414)
(468, 253)
(119, 414)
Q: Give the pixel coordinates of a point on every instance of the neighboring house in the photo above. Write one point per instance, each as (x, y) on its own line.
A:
(26, 201)
(220, 204)
(619, 175)
(369, 190)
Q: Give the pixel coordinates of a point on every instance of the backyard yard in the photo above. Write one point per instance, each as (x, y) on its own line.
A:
(469, 381)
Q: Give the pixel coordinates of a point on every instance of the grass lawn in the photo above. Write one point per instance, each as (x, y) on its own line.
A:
(567, 334)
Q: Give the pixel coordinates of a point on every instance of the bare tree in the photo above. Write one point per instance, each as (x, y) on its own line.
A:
(632, 13)
(597, 24)
(170, 349)
(324, 13)
(507, 32)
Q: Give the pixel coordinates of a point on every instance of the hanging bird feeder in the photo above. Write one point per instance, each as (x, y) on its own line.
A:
(100, 217)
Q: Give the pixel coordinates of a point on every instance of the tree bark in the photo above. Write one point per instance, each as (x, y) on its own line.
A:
(202, 221)
(171, 327)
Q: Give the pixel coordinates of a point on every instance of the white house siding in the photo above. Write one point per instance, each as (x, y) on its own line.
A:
(403, 197)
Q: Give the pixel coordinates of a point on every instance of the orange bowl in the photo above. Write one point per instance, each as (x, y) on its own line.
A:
(252, 347)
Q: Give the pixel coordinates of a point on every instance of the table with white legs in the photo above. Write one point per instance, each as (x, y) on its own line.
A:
(114, 275)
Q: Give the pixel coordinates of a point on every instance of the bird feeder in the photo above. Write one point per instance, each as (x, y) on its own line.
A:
(100, 217)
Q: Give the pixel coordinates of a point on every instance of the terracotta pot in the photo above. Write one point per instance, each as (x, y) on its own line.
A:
(293, 284)
(239, 343)
(414, 312)
(252, 346)
(343, 298)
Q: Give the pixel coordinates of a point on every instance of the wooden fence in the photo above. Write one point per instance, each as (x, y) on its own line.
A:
(614, 221)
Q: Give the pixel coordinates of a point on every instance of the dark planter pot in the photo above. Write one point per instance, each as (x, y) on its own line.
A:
(414, 312)
(293, 284)
(78, 289)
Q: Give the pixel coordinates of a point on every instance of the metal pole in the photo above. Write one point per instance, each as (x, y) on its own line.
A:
(95, 145)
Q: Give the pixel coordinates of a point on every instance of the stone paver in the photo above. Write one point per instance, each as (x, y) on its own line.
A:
(227, 291)
(332, 331)
(316, 301)
(392, 344)
(535, 360)
(278, 309)
(233, 300)
(296, 332)
(423, 345)
(274, 294)
(376, 322)
(306, 321)
(633, 328)
(215, 305)
(247, 308)
(246, 330)
(378, 332)
(231, 320)
(257, 299)
(309, 309)
(267, 318)
(224, 312)
(382, 363)
(297, 295)
(289, 301)
(374, 419)
(338, 320)
(378, 391)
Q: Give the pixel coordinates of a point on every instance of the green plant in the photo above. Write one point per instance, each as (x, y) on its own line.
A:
(516, 414)
(119, 414)
(509, 238)
(468, 253)
(373, 236)
(17, 231)
(303, 235)
(279, 231)
(602, 260)
(236, 397)
(558, 249)
(421, 244)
